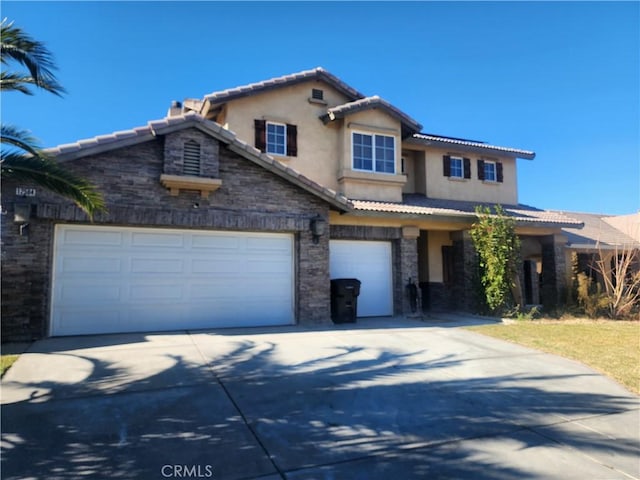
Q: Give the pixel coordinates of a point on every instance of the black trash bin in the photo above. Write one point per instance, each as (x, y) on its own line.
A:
(344, 299)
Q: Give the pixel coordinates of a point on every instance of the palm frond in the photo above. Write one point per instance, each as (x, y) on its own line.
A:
(10, 81)
(21, 139)
(18, 46)
(48, 174)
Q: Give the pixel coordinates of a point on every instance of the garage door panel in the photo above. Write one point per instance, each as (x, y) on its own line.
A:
(267, 267)
(82, 237)
(156, 265)
(221, 242)
(215, 266)
(135, 280)
(79, 294)
(155, 292)
(260, 245)
(82, 321)
(157, 240)
(88, 264)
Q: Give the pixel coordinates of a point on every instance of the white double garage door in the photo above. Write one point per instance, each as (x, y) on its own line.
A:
(117, 279)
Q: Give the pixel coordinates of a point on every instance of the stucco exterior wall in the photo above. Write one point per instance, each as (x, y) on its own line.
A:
(436, 240)
(318, 145)
(473, 189)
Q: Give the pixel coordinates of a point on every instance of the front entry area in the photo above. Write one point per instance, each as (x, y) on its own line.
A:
(119, 279)
(371, 263)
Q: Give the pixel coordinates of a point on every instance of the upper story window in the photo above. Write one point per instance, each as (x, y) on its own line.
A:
(374, 153)
(276, 138)
(490, 171)
(456, 167)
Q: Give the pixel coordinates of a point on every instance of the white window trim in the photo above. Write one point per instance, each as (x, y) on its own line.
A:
(373, 158)
(266, 140)
(457, 177)
(495, 171)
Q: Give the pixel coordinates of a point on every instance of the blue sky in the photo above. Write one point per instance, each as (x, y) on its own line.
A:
(561, 79)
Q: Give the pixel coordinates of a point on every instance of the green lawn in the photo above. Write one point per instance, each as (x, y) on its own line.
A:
(5, 362)
(611, 347)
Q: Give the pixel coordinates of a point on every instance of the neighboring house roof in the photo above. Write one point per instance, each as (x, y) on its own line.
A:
(470, 146)
(368, 103)
(598, 233)
(629, 224)
(419, 206)
(318, 73)
(167, 125)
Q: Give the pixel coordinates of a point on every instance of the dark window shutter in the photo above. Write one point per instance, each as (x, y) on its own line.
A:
(499, 175)
(480, 169)
(261, 134)
(292, 140)
(467, 168)
(446, 165)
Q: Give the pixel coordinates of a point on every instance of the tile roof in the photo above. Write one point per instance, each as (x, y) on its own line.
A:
(471, 145)
(414, 205)
(598, 232)
(167, 125)
(318, 73)
(368, 103)
(629, 224)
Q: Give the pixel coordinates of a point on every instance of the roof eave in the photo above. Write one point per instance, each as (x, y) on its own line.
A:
(483, 149)
(462, 218)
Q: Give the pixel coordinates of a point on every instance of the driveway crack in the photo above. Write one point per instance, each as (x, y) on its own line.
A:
(240, 412)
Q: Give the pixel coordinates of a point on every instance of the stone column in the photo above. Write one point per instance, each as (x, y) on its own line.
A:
(407, 267)
(554, 278)
(313, 285)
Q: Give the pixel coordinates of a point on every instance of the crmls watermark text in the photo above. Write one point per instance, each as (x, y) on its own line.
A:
(187, 471)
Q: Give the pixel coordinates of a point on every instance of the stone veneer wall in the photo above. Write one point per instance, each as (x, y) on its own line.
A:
(250, 198)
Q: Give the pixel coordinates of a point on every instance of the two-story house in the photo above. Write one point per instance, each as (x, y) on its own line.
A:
(238, 208)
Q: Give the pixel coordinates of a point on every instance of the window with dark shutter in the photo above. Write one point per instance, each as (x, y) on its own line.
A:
(446, 165)
(480, 169)
(191, 158)
(467, 167)
(261, 134)
(317, 94)
(499, 175)
(292, 140)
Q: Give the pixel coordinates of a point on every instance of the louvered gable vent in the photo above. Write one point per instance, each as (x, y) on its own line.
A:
(191, 158)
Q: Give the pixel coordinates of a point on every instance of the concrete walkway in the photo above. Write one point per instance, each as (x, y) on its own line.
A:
(376, 400)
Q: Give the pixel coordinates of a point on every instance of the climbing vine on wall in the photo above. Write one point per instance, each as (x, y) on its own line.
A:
(498, 249)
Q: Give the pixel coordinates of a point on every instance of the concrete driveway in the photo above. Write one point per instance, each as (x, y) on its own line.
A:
(395, 399)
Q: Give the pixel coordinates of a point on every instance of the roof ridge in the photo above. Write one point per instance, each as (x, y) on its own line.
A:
(283, 80)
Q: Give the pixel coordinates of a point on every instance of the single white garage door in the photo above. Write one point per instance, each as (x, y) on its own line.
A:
(115, 279)
(369, 262)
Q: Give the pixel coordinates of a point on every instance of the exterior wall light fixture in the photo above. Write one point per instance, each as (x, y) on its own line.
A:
(318, 228)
